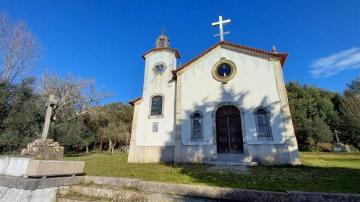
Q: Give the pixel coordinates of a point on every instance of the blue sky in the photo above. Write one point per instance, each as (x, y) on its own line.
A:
(104, 40)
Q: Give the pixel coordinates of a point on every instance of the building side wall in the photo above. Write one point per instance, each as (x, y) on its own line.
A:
(157, 85)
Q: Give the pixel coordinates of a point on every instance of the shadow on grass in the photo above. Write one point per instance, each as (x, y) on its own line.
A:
(279, 178)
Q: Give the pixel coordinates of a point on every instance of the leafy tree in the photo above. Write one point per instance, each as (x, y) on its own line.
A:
(114, 121)
(350, 111)
(314, 113)
(22, 115)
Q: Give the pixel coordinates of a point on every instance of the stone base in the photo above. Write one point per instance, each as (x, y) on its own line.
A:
(44, 148)
(339, 147)
(28, 167)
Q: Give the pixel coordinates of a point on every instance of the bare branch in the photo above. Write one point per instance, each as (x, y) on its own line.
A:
(19, 49)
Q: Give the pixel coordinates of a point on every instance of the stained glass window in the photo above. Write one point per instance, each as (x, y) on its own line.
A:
(156, 105)
(196, 126)
(263, 126)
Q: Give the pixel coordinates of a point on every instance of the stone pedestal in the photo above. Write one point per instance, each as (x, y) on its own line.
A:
(339, 147)
(44, 148)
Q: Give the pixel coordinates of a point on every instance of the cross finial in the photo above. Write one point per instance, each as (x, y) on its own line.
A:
(220, 23)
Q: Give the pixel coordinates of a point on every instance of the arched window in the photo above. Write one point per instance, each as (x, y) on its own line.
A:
(196, 126)
(263, 126)
(156, 105)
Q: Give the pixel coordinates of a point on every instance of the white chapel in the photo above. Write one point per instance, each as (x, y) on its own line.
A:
(227, 103)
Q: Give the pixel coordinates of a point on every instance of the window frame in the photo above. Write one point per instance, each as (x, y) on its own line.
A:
(162, 106)
(268, 117)
(201, 127)
(154, 68)
(214, 70)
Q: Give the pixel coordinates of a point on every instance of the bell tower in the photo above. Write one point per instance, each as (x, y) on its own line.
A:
(162, 41)
(156, 120)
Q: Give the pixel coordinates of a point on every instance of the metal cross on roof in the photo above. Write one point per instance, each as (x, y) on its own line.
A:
(220, 23)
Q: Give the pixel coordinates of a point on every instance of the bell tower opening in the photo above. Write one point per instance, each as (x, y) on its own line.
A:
(162, 41)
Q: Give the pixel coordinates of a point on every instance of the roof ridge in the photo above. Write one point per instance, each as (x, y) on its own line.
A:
(282, 56)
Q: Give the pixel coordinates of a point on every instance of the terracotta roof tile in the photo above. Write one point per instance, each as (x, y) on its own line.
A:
(177, 54)
(132, 102)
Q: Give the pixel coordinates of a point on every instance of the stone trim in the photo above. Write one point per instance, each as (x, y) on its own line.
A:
(215, 68)
(267, 139)
(178, 121)
(156, 64)
(191, 126)
(162, 106)
(290, 139)
(242, 117)
(132, 149)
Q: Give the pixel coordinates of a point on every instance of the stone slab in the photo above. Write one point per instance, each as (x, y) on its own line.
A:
(32, 184)
(20, 195)
(39, 168)
(4, 163)
(17, 166)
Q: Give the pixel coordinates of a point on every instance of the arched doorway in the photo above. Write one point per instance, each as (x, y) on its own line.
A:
(228, 130)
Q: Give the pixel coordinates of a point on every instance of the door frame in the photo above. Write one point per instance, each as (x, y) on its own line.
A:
(242, 115)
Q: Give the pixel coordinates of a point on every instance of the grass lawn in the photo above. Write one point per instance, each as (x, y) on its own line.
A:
(325, 172)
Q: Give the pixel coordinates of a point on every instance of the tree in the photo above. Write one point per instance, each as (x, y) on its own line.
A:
(314, 113)
(22, 115)
(114, 124)
(350, 110)
(19, 49)
(76, 97)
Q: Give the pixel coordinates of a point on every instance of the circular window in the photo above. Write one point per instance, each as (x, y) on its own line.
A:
(159, 68)
(224, 70)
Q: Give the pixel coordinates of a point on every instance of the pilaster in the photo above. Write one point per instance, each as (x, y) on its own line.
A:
(290, 139)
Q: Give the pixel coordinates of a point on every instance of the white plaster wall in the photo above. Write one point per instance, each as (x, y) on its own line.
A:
(157, 84)
(253, 85)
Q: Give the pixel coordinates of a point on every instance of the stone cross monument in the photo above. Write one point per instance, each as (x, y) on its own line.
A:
(44, 148)
(50, 108)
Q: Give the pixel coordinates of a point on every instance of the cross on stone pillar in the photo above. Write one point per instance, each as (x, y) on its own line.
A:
(50, 107)
(221, 24)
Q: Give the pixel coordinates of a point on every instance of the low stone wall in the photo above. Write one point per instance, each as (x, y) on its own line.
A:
(32, 184)
(221, 193)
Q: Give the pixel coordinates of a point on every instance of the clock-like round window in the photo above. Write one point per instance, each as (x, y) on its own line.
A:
(224, 70)
(159, 68)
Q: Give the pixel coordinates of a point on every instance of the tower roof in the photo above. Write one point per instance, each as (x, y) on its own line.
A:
(162, 44)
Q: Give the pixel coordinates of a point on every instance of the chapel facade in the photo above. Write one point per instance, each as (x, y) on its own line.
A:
(229, 101)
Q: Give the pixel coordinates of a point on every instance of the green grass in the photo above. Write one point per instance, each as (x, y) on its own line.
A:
(325, 172)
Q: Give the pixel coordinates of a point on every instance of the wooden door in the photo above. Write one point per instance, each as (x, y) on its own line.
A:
(228, 130)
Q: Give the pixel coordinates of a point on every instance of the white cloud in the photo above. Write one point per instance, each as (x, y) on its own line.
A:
(335, 63)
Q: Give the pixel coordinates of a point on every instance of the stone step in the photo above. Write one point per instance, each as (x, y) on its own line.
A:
(231, 160)
(106, 192)
(79, 199)
(230, 163)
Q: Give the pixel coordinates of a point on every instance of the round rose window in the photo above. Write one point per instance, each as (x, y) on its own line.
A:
(224, 70)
